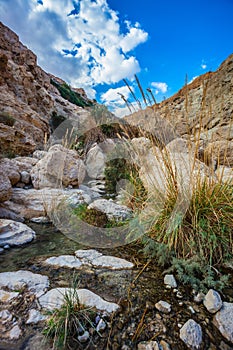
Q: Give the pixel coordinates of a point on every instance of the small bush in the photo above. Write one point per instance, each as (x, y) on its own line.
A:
(65, 324)
(70, 95)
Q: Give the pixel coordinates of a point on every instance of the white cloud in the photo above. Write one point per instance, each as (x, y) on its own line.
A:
(203, 66)
(112, 98)
(161, 87)
(91, 28)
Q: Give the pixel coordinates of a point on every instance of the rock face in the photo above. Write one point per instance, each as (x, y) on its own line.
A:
(15, 233)
(59, 167)
(223, 320)
(206, 101)
(5, 188)
(28, 99)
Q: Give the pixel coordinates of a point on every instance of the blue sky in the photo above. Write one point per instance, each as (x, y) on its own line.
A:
(95, 44)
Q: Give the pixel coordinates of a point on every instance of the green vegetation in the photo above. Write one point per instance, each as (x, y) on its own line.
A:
(65, 324)
(95, 217)
(70, 95)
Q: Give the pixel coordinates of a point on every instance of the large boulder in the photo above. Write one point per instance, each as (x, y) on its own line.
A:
(10, 169)
(14, 233)
(223, 320)
(111, 209)
(95, 162)
(60, 167)
(221, 151)
(35, 203)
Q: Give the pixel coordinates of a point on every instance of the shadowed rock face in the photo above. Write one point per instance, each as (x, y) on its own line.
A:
(28, 99)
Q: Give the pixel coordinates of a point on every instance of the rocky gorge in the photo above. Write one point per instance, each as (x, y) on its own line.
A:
(137, 305)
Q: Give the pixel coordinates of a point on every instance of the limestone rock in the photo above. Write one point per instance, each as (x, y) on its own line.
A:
(36, 283)
(212, 301)
(95, 162)
(149, 345)
(10, 215)
(64, 261)
(223, 320)
(15, 233)
(25, 177)
(91, 258)
(55, 299)
(25, 163)
(221, 151)
(7, 296)
(10, 169)
(59, 167)
(9, 327)
(163, 307)
(191, 334)
(5, 188)
(224, 174)
(36, 203)
(169, 280)
(111, 209)
(35, 316)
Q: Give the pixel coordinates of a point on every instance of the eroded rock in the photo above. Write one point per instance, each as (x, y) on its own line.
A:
(191, 334)
(223, 320)
(14, 233)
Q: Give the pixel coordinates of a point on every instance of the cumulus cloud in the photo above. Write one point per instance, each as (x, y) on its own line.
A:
(81, 41)
(113, 99)
(160, 87)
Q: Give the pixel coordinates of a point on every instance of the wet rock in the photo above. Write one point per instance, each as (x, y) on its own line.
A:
(212, 301)
(35, 316)
(14, 233)
(111, 209)
(96, 259)
(64, 261)
(40, 220)
(191, 334)
(10, 215)
(170, 281)
(1, 250)
(150, 345)
(55, 299)
(163, 307)
(17, 280)
(7, 296)
(223, 320)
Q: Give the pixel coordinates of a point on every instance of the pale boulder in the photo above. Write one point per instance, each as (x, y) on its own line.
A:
(59, 167)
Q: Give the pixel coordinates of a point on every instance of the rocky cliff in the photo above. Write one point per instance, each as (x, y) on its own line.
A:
(202, 110)
(30, 98)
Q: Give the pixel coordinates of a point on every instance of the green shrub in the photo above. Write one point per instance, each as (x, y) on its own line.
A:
(63, 325)
(70, 95)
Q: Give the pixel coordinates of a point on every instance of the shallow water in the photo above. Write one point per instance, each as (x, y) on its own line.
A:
(49, 241)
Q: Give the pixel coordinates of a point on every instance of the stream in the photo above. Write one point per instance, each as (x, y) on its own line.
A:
(135, 291)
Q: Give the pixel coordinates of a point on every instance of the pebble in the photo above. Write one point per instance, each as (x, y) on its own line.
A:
(170, 281)
(212, 301)
(163, 307)
(6, 246)
(191, 334)
(101, 325)
(84, 337)
(191, 309)
(199, 297)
